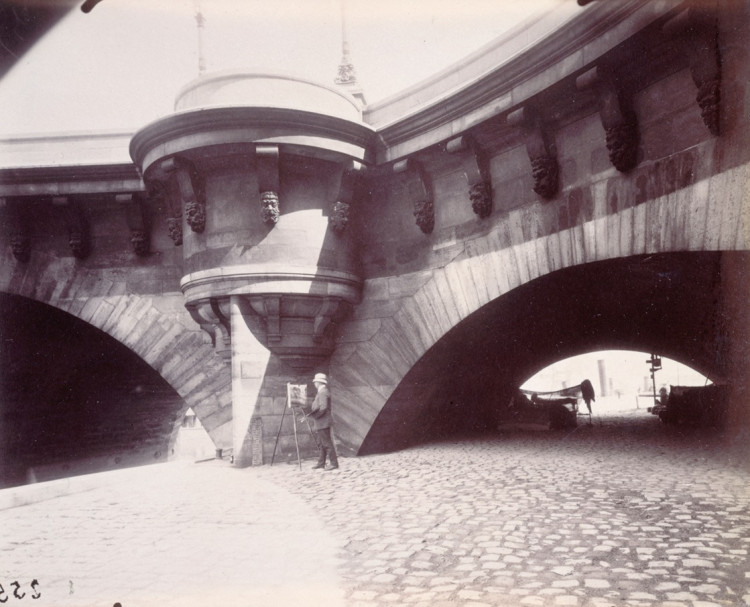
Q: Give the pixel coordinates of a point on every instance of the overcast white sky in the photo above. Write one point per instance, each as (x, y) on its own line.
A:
(626, 369)
(120, 66)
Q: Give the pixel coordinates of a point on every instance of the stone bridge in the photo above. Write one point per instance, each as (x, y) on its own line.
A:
(579, 184)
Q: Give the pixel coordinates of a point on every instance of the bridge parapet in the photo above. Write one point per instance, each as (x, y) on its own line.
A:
(536, 64)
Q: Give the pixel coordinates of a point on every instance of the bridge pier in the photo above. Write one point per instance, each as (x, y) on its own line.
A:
(260, 173)
(249, 365)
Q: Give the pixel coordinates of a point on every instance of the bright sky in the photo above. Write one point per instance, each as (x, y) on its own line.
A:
(121, 65)
(626, 369)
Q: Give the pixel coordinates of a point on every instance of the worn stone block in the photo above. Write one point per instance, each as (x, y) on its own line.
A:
(409, 324)
(358, 330)
(407, 284)
(639, 230)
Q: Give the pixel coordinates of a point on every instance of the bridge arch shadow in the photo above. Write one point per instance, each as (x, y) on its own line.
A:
(668, 303)
(74, 400)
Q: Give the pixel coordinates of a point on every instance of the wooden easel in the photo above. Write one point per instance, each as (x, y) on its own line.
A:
(296, 408)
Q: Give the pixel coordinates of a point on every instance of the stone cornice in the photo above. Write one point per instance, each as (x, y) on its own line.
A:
(214, 126)
(566, 50)
(70, 180)
(267, 278)
(65, 149)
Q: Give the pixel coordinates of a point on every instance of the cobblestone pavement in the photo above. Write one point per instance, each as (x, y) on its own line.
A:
(625, 512)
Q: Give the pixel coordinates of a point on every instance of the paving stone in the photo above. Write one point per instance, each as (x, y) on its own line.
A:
(697, 563)
(445, 588)
(562, 570)
(642, 596)
(664, 586)
(681, 596)
(660, 565)
(706, 589)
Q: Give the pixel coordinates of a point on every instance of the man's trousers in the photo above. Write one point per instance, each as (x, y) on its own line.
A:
(326, 447)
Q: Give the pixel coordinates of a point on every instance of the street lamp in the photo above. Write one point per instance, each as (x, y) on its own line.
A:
(655, 362)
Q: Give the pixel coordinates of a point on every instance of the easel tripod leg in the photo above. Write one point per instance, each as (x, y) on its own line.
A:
(296, 442)
(281, 425)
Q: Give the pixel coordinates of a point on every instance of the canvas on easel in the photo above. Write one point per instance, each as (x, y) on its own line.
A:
(296, 400)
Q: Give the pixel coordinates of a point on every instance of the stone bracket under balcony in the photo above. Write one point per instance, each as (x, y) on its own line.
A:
(296, 328)
(212, 314)
(298, 311)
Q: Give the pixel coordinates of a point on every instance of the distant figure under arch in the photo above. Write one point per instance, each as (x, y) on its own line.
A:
(587, 392)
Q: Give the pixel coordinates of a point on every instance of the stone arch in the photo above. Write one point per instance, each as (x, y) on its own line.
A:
(155, 326)
(710, 215)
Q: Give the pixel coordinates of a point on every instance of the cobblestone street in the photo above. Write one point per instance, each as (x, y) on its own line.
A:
(624, 512)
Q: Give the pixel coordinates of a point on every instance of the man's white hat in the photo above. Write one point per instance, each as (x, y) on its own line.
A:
(320, 377)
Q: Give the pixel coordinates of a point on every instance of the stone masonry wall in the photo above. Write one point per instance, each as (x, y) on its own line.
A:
(688, 192)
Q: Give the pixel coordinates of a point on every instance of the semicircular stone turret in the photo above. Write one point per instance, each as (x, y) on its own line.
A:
(256, 173)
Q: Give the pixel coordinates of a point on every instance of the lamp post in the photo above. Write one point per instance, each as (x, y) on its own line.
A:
(655, 362)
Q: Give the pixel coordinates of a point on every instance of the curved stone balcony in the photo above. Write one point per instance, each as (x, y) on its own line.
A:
(234, 88)
(259, 174)
(241, 107)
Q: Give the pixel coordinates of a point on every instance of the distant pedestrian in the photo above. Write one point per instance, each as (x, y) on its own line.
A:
(587, 392)
(321, 414)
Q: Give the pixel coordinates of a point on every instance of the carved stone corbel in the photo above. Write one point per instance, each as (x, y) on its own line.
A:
(420, 192)
(296, 327)
(20, 234)
(618, 117)
(697, 28)
(157, 193)
(137, 222)
(267, 158)
(76, 226)
(541, 150)
(269, 308)
(192, 191)
(477, 170)
(213, 317)
(341, 209)
(328, 310)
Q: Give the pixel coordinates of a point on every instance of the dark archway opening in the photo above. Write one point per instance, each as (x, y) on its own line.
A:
(667, 303)
(73, 399)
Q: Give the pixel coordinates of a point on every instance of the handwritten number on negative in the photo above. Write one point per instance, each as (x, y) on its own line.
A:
(17, 593)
